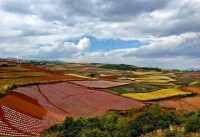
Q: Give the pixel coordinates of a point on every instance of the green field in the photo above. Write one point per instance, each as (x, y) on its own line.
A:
(138, 88)
(157, 95)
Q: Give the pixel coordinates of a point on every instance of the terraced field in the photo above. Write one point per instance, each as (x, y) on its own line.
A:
(157, 95)
(10, 75)
(186, 104)
(28, 111)
(23, 116)
(191, 89)
(154, 79)
(138, 88)
(13, 69)
(146, 72)
(98, 84)
(27, 74)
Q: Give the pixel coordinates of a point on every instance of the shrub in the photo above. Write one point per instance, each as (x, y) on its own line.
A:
(116, 125)
(93, 133)
(171, 133)
(193, 123)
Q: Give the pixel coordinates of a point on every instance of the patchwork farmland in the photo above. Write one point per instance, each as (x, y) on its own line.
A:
(29, 110)
(34, 98)
(50, 104)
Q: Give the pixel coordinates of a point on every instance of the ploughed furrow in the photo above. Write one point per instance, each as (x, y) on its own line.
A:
(50, 101)
(77, 95)
(6, 129)
(11, 121)
(28, 111)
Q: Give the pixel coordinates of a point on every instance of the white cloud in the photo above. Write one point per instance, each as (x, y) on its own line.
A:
(36, 29)
(83, 43)
(186, 44)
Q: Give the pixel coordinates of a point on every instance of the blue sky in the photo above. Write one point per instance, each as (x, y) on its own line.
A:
(110, 44)
(138, 32)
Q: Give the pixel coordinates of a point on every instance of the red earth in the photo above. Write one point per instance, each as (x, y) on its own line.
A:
(185, 104)
(38, 69)
(191, 89)
(28, 111)
(98, 84)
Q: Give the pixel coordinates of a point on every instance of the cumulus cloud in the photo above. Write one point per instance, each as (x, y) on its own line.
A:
(83, 43)
(41, 28)
(56, 50)
(176, 45)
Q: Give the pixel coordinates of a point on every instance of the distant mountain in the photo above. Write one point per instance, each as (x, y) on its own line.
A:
(193, 69)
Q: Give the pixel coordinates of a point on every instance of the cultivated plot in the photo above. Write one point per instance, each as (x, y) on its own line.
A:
(18, 75)
(186, 104)
(21, 115)
(30, 110)
(98, 84)
(157, 95)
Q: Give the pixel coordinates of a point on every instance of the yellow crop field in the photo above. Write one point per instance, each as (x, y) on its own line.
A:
(79, 76)
(157, 95)
(146, 72)
(150, 80)
(10, 75)
(13, 69)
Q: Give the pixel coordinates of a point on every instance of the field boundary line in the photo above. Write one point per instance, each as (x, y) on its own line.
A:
(39, 90)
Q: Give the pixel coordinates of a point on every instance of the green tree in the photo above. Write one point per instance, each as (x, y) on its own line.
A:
(93, 133)
(193, 124)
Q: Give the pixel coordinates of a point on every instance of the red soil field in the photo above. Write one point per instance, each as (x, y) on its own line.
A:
(191, 89)
(21, 115)
(77, 101)
(20, 101)
(98, 84)
(109, 78)
(185, 104)
(54, 74)
(38, 69)
(28, 111)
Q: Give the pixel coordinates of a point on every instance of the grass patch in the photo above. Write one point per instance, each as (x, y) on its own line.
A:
(157, 95)
(138, 88)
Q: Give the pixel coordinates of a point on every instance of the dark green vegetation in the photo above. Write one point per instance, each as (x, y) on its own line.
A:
(127, 67)
(138, 88)
(193, 123)
(114, 124)
(171, 133)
